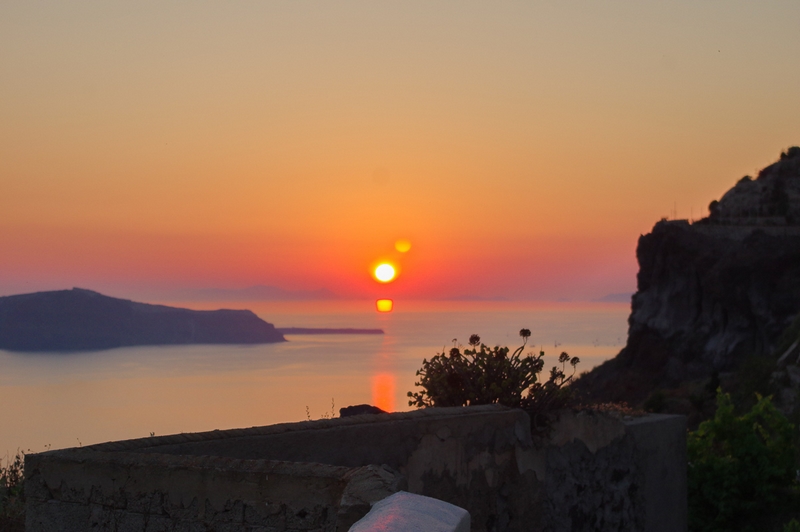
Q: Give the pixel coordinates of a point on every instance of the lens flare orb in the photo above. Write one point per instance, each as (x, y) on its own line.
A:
(384, 305)
(402, 245)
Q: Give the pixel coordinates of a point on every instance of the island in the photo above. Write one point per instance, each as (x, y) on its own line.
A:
(82, 320)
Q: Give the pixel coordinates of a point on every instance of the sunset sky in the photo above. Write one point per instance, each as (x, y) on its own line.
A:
(521, 147)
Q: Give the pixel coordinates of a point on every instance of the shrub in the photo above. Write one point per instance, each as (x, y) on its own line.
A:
(741, 468)
(713, 208)
(485, 375)
(12, 496)
(794, 151)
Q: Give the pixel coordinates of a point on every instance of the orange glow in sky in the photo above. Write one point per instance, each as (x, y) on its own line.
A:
(170, 147)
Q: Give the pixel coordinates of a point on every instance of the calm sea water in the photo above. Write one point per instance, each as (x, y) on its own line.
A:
(54, 400)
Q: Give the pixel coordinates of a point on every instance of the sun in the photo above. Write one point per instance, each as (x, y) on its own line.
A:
(385, 272)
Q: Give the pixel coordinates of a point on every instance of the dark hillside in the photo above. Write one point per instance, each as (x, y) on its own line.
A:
(68, 320)
(713, 293)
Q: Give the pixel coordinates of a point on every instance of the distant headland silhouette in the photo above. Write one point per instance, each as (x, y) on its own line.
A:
(79, 320)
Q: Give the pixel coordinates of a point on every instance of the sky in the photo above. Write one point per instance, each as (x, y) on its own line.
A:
(521, 147)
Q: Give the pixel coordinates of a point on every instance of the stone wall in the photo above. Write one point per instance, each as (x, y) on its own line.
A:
(590, 471)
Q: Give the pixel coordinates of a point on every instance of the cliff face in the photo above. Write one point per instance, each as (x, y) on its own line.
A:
(68, 320)
(713, 292)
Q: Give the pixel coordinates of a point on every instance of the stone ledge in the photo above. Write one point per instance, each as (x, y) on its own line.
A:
(592, 470)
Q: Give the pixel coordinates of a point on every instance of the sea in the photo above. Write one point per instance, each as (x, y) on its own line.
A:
(60, 400)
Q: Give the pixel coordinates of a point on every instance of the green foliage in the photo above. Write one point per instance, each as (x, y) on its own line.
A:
(484, 375)
(12, 496)
(741, 468)
(792, 526)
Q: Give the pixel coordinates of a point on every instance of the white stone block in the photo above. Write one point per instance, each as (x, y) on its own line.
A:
(406, 512)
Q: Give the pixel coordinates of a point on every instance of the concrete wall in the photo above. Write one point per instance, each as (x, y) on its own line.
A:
(590, 471)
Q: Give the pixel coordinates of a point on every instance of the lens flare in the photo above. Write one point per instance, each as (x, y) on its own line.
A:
(385, 272)
(402, 245)
(384, 305)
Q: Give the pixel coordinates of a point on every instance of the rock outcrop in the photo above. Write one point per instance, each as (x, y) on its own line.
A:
(70, 320)
(713, 292)
(772, 199)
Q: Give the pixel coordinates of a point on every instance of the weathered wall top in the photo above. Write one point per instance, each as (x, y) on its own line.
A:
(593, 472)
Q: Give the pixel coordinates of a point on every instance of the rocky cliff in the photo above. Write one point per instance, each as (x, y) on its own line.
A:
(713, 292)
(68, 320)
